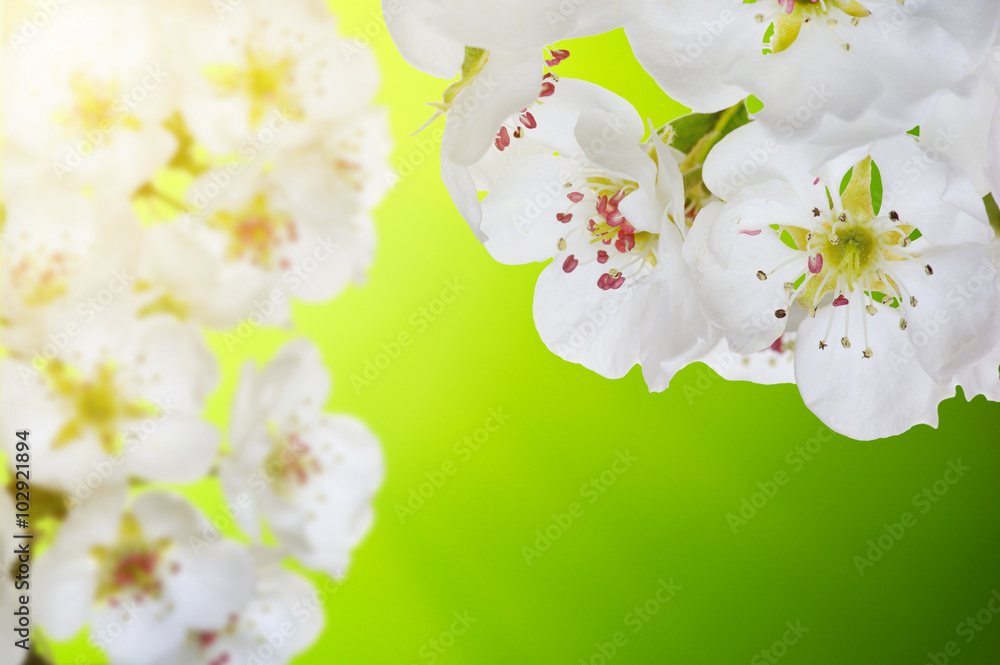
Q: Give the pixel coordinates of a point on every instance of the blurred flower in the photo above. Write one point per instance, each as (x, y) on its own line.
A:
(256, 65)
(299, 222)
(129, 572)
(68, 260)
(278, 622)
(9, 593)
(92, 92)
(309, 475)
(115, 404)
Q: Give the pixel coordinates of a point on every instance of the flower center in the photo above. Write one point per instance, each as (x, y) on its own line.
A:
(96, 107)
(41, 281)
(851, 257)
(789, 16)
(267, 80)
(95, 405)
(132, 566)
(291, 463)
(255, 232)
(596, 199)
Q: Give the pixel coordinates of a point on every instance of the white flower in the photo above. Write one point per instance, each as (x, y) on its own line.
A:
(497, 48)
(610, 212)
(898, 297)
(309, 475)
(117, 403)
(298, 223)
(88, 96)
(255, 65)
(279, 621)
(180, 274)
(829, 63)
(67, 259)
(131, 574)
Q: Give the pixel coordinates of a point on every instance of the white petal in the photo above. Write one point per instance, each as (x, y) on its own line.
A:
(728, 260)
(864, 398)
(508, 82)
(950, 328)
(519, 214)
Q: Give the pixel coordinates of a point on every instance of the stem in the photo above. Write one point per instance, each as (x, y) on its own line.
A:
(700, 151)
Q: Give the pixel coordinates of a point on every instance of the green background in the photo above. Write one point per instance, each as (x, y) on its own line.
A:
(701, 447)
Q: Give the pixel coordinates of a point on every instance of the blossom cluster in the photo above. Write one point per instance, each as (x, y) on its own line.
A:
(822, 217)
(175, 175)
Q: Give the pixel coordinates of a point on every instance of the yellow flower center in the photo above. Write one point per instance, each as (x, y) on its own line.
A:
(95, 405)
(256, 231)
(131, 565)
(290, 463)
(96, 107)
(267, 80)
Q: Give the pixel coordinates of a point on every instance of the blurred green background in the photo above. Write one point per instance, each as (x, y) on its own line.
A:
(698, 449)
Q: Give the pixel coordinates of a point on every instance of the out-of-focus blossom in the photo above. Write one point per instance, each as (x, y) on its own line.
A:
(129, 571)
(309, 475)
(115, 404)
(279, 621)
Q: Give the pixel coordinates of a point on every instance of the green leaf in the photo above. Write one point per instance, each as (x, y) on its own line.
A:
(691, 129)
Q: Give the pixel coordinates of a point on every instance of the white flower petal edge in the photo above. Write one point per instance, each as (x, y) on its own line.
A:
(984, 378)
